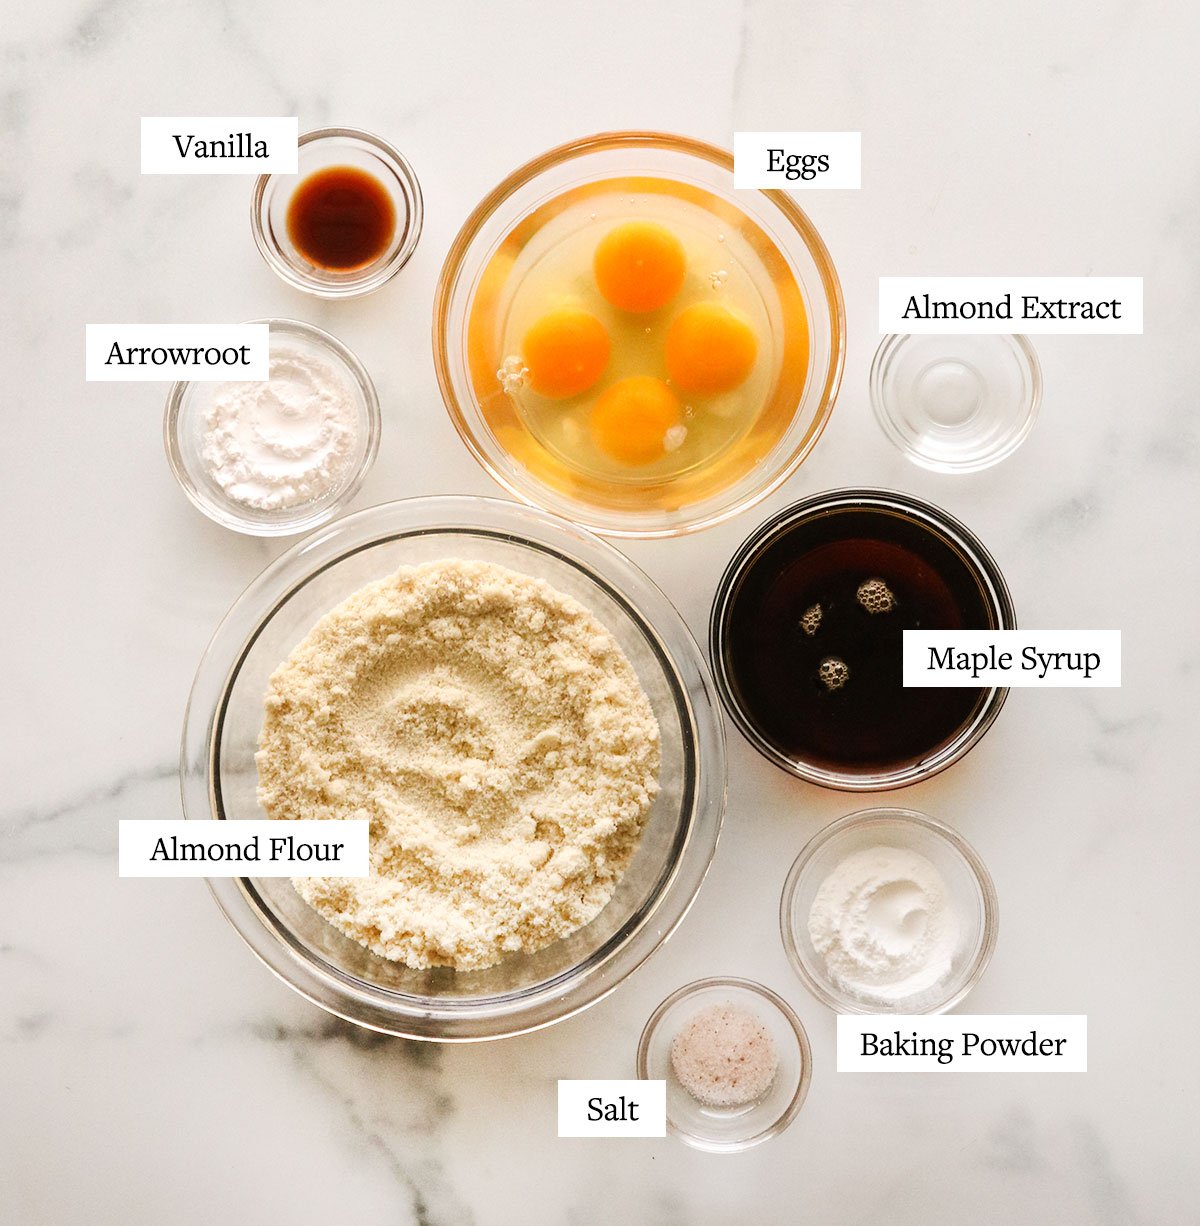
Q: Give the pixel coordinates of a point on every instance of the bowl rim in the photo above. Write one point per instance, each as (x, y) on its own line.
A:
(850, 498)
(225, 512)
(452, 268)
(789, 1014)
(827, 993)
(568, 992)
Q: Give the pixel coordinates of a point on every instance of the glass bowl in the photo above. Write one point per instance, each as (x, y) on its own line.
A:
(183, 436)
(962, 543)
(727, 1129)
(811, 354)
(968, 882)
(523, 992)
(318, 150)
(956, 404)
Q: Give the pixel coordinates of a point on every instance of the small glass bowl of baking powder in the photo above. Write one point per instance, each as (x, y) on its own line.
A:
(280, 456)
(741, 1008)
(889, 911)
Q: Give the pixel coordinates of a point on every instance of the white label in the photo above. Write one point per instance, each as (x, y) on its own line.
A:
(1046, 659)
(220, 144)
(143, 353)
(943, 305)
(797, 159)
(962, 1043)
(258, 848)
(612, 1108)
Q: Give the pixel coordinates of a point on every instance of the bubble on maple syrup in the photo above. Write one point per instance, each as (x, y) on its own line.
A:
(875, 596)
(833, 673)
(810, 622)
(512, 374)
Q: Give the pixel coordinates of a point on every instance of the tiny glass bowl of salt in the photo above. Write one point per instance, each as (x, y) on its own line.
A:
(888, 911)
(282, 455)
(735, 1059)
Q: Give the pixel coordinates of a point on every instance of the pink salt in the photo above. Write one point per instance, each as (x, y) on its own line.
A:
(724, 1057)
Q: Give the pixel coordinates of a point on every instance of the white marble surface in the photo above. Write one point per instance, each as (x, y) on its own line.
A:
(150, 1070)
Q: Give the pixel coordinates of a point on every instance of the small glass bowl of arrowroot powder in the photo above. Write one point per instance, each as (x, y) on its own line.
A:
(736, 1061)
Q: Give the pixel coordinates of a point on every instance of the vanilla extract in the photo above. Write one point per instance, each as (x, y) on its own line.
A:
(341, 218)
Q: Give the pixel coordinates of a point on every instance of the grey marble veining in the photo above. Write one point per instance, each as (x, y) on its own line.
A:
(151, 1070)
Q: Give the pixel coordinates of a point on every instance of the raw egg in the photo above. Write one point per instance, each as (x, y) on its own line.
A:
(631, 419)
(709, 349)
(565, 352)
(639, 266)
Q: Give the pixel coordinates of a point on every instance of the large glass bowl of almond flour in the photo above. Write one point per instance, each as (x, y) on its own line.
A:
(524, 990)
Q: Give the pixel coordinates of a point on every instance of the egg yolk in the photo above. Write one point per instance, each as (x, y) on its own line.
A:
(631, 419)
(565, 352)
(709, 349)
(639, 266)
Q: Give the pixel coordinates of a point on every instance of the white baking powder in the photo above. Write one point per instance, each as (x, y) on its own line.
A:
(286, 441)
(885, 924)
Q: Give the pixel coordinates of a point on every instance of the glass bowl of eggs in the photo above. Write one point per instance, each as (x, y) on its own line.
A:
(623, 338)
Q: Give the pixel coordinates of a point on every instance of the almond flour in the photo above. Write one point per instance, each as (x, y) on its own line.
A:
(499, 742)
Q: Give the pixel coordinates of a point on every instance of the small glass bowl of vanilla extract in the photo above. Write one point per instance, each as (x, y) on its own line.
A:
(346, 222)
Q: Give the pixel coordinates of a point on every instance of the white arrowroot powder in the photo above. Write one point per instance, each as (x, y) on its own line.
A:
(885, 924)
(286, 441)
(499, 742)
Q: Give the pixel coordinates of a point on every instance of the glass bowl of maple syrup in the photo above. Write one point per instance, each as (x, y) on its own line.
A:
(346, 222)
(807, 629)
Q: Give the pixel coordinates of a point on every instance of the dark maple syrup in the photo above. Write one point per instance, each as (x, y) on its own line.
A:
(341, 218)
(812, 641)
